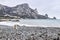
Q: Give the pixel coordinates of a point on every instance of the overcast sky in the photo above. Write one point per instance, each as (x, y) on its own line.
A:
(50, 7)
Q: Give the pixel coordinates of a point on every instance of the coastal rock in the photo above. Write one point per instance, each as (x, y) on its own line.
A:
(22, 11)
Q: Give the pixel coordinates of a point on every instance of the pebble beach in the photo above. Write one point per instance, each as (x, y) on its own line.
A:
(29, 33)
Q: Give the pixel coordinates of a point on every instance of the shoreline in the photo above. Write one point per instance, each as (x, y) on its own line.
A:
(10, 23)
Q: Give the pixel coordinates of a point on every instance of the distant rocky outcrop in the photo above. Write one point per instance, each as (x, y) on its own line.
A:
(54, 17)
(22, 11)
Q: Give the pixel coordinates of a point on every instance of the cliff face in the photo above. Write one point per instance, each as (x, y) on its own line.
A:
(23, 11)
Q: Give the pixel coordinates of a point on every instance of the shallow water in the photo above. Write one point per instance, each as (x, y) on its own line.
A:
(41, 22)
(35, 22)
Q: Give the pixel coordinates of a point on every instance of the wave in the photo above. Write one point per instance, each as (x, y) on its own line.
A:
(9, 23)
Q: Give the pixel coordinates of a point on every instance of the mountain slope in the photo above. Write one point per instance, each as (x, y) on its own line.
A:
(22, 11)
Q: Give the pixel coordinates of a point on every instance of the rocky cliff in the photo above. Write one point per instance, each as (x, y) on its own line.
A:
(22, 11)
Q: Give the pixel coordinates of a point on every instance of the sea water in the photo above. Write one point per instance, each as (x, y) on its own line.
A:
(34, 22)
(42, 22)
